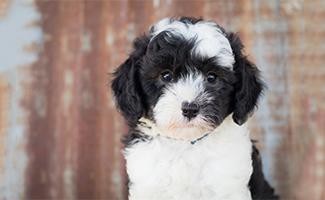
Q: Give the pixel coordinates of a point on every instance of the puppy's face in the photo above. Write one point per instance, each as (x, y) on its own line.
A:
(186, 76)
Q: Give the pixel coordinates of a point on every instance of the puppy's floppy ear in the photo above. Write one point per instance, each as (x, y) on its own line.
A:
(248, 86)
(126, 84)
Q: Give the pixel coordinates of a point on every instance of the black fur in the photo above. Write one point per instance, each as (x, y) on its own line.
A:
(249, 85)
(134, 138)
(126, 84)
(259, 187)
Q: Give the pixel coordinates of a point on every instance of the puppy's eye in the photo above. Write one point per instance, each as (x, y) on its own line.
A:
(211, 77)
(166, 76)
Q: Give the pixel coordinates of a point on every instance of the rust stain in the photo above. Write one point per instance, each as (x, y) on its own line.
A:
(4, 5)
(4, 120)
(96, 144)
(52, 129)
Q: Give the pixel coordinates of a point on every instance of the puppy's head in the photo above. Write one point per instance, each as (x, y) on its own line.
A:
(187, 75)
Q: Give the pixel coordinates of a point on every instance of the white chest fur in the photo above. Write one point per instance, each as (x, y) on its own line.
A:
(217, 167)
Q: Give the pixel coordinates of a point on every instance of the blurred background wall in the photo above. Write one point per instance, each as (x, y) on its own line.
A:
(60, 133)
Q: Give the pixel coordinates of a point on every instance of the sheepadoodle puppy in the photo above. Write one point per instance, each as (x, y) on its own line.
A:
(186, 91)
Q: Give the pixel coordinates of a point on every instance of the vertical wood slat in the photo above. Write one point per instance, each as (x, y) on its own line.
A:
(53, 106)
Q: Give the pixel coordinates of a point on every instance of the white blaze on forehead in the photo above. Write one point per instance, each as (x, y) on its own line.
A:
(188, 88)
(210, 40)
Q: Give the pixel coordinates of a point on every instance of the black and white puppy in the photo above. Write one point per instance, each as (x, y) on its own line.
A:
(186, 92)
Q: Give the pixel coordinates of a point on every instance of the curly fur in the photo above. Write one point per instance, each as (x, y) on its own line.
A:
(210, 155)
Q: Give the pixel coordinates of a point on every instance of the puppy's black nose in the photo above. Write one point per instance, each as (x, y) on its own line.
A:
(190, 110)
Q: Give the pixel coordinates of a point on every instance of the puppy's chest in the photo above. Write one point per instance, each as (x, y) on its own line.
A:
(175, 169)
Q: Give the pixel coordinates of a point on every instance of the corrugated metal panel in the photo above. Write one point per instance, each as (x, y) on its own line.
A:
(60, 133)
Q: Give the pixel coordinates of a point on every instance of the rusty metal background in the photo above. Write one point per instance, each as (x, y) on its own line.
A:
(60, 133)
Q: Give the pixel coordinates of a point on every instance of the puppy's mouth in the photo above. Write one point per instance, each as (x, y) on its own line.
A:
(186, 129)
(183, 124)
(179, 130)
(180, 127)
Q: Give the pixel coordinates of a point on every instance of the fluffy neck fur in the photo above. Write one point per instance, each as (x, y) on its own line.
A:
(217, 167)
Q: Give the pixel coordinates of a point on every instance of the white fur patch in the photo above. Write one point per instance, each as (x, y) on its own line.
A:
(216, 167)
(210, 41)
(168, 110)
